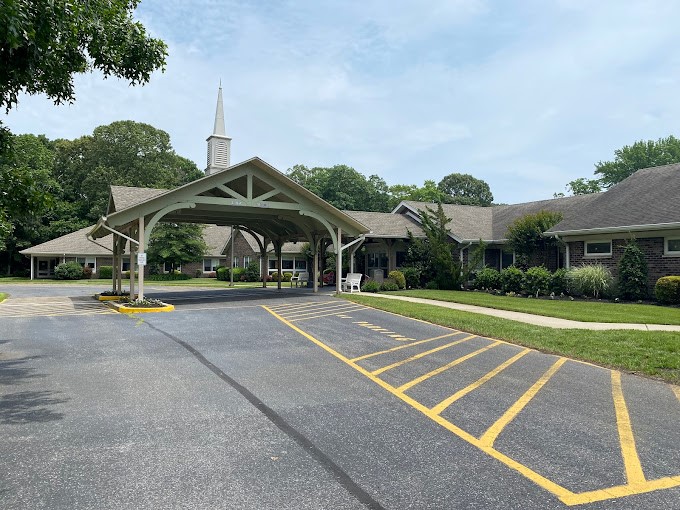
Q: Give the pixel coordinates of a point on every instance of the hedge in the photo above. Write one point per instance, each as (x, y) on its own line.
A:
(105, 272)
(667, 290)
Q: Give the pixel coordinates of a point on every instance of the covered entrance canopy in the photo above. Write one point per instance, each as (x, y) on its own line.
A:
(252, 196)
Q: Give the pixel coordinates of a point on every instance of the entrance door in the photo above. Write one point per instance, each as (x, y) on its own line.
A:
(46, 267)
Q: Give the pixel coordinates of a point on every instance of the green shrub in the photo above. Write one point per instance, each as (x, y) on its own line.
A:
(411, 276)
(512, 279)
(370, 286)
(667, 290)
(590, 280)
(398, 278)
(238, 273)
(487, 278)
(389, 285)
(198, 273)
(222, 274)
(105, 272)
(169, 277)
(275, 276)
(632, 273)
(537, 280)
(68, 271)
(432, 285)
(252, 272)
(287, 277)
(559, 283)
(87, 273)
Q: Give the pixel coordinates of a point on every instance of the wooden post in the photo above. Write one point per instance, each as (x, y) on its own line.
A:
(279, 258)
(141, 250)
(264, 258)
(338, 263)
(32, 264)
(315, 264)
(121, 252)
(231, 271)
(133, 253)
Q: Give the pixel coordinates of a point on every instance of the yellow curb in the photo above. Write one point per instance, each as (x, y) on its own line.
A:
(136, 309)
(108, 298)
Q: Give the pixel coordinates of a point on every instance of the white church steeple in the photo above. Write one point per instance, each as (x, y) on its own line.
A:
(219, 144)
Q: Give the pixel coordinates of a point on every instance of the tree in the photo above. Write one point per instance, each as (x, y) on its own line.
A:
(433, 256)
(465, 189)
(27, 190)
(583, 186)
(525, 237)
(429, 192)
(641, 154)
(125, 153)
(176, 244)
(344, 187)
(632, 272)
(44, 43)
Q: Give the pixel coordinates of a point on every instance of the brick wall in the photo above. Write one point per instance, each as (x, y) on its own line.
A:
(652, 247)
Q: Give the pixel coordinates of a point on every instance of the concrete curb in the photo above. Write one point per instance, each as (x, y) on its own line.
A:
(527, 318)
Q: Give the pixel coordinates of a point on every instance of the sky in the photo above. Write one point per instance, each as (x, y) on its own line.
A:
(526, 95)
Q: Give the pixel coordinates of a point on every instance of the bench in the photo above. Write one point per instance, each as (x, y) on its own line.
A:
(302, 277)
(351, 282)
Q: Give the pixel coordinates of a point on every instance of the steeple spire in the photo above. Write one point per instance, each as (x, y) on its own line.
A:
(219, 115)
(219, 144)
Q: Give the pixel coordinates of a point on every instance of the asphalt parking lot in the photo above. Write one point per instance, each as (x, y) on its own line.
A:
(253, 398)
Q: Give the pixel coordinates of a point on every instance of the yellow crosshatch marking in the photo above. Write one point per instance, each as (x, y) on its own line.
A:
(676, 390)
(636, 482)
(52, 307)
(421, 355)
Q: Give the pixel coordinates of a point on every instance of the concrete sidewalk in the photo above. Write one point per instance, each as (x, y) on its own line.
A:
(536, 320)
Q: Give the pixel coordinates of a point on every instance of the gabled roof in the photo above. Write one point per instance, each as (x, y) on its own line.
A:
(387, 224)
(251, 193)
(470, 223)
(216, 237)
(647, 200)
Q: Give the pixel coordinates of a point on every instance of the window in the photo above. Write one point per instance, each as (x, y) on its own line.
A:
(377, 260)
(287, 264)
(301, 264)
(210, 265)
(507, 259)
(598, 249)
(246, 260)
(86, 261)
(672, 246)
(272, 263)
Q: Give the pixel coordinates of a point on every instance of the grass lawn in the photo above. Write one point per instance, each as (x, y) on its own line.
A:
(192, 282)
(3, 296)
(655, 354)
(588, 311)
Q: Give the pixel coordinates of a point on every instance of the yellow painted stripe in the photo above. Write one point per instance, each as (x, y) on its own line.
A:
(421, 355)
(621, 491)
(366, 356)
(539, 480)
(444, 368)
(322, 309)
(676, 390)
(493, 432)
(299, 304)
(323, 315)
(631, 461)
(439, 408)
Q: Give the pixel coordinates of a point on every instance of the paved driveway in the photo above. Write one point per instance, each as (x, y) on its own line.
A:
(252, 398)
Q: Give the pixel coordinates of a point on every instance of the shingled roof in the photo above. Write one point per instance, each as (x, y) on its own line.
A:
(387, 224)
(470, 223)
(127, 196)
(75, 243)
(649, 197)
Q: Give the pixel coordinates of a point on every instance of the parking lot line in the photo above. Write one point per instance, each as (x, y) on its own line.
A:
(486, 444)
(441, 369)
(336, 307)
(366, 356)
(631, 460)
(302, 306)
(335, 312)
(421, 355)
(494, 431)
(439, 408)
(676, 390)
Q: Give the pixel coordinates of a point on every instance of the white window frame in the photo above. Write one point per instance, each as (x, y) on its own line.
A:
(246, 260)
(597, 255)
(666, 251)
(213, 263)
